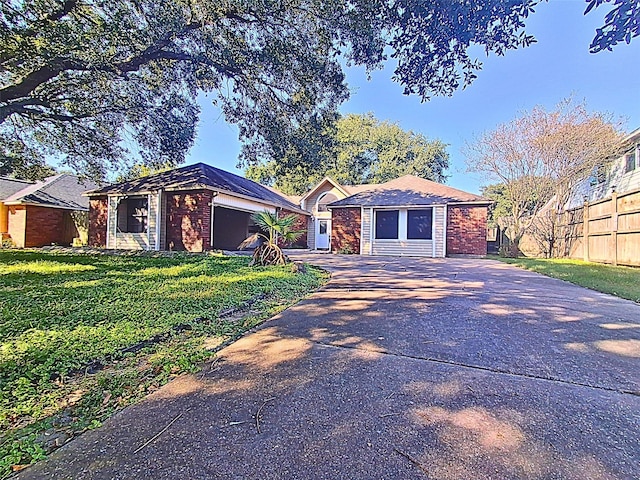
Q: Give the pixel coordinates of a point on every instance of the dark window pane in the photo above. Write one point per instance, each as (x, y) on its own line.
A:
(387, 224)
(323, 227)
(631, 163)
(419, 224)
(137, 210)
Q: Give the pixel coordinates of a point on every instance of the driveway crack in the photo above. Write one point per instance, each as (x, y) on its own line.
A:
(484, 369)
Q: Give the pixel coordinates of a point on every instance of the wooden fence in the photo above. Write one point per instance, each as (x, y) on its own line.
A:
(606, 231)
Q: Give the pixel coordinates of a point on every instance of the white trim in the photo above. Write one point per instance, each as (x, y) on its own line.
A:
(158, 218)
(371, 227)
(433, 233)
(303, 200)
(147, 232)
(317, 230)
(395, 207)
(17, 203)
(444, 234)
(361, 229)
(108, 222)
(212, 220)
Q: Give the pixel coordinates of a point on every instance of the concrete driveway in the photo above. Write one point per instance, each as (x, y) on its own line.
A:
(397, 369)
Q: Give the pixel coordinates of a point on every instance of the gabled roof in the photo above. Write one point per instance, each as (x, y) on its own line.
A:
(199, 176)
(321, 183)
(59, 191)
(9, 186)
(407, 191)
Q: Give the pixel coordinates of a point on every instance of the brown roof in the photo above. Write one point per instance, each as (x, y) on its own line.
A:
(407, 190)
(200, 175)
(292, 198)
(59, 191)
(353, 189)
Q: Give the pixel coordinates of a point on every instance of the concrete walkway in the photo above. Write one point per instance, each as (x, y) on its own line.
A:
(397, 369)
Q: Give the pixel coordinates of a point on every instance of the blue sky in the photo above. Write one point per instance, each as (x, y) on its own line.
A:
(557, 66)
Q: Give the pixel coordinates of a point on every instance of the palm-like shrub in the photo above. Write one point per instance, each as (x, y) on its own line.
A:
(274, 228)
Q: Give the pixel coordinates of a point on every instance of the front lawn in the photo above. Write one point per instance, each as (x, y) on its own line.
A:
(622, 282)
(84, 335)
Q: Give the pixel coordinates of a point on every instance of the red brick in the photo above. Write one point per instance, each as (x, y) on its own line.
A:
(189, 221)
(466, 230)
(345, 229)
(300, 224)
(98, 209)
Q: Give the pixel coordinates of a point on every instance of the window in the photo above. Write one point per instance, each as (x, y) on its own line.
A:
(630, 162)
(598, 176)
(132, 215)
(387, 224)
(324, 200)
(323, 227)
(419, 224)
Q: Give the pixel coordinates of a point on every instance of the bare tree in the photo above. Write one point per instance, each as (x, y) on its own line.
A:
(539, 157)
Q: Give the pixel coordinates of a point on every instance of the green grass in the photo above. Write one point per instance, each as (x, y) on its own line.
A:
(60, 313)
(623, 282)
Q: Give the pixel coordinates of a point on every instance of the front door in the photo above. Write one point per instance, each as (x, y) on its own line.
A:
(322, 234)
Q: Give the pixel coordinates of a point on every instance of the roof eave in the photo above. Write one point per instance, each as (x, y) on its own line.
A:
(325, 179)
(45, 205)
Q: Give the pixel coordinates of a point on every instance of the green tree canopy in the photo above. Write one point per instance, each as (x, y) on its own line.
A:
(90, 83)
(360, 149)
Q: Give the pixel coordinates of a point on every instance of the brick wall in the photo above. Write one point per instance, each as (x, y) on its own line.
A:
(45, 226)
(189, 221)
(98, 222)
(301, 224)
(346, 225)
(466, 230)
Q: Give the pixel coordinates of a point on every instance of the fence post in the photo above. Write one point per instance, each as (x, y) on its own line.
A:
(585, 230)
(614, 224)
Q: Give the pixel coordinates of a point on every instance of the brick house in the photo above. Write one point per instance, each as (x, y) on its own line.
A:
(407, 216)
(199, 207)
(53, 211)
(316, 202)
(194, 208)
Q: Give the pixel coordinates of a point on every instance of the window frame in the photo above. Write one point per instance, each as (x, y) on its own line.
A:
(429, 232)
(136, 217)
(630, 156)
(376, 225)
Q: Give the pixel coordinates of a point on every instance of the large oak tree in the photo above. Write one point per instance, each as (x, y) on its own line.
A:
(95, 82)
(358, 149)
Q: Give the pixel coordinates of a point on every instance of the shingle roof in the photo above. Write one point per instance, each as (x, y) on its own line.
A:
(9, 186)
(408, 190)
(197, 176)
(59, 191)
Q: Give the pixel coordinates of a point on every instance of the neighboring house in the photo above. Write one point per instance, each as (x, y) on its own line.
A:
(409, 216)
(43, 213)
(622, 175)
(601, 222)
(193, 208)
